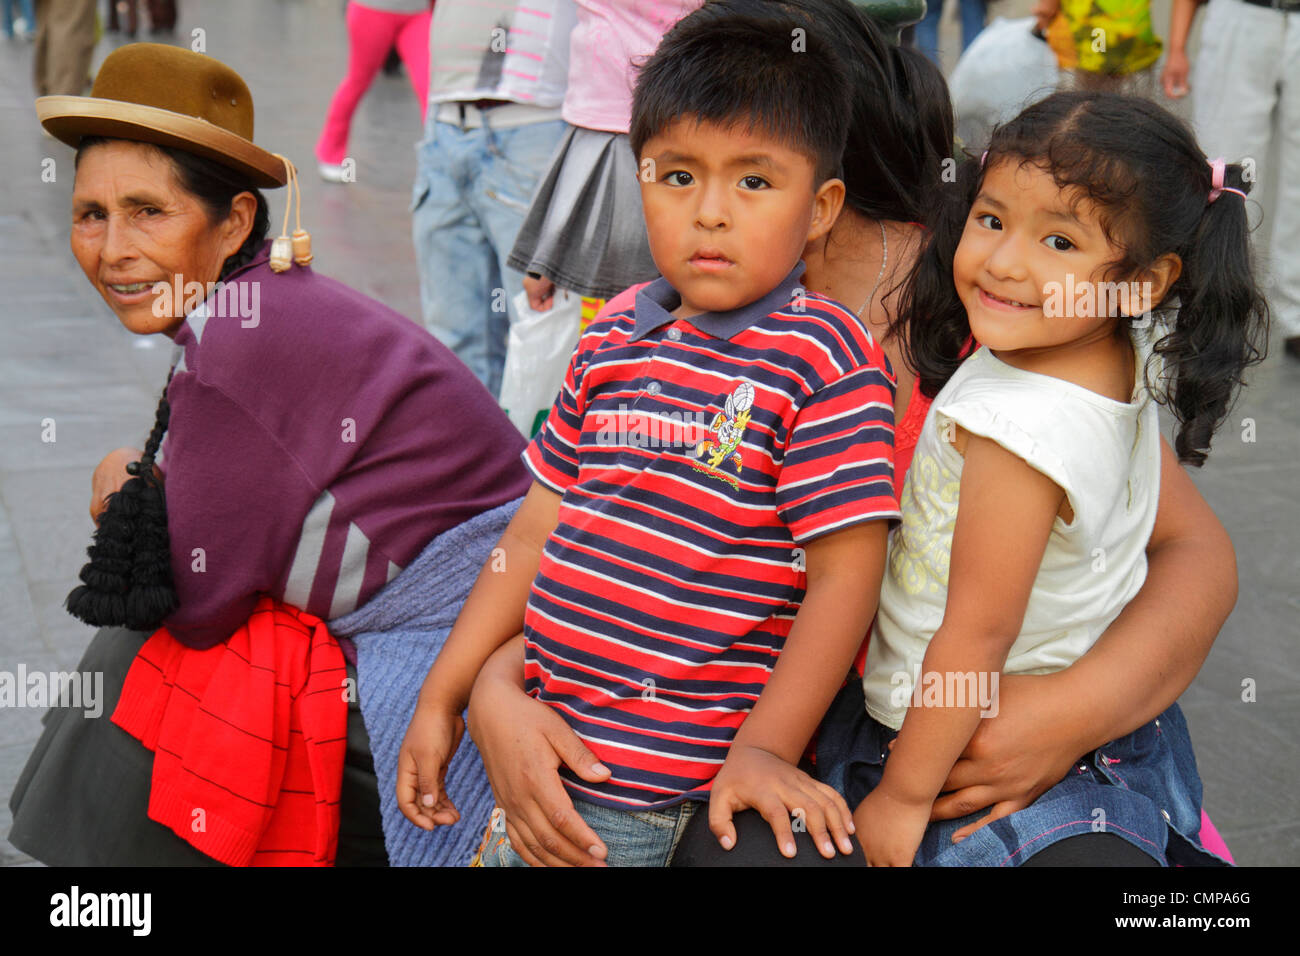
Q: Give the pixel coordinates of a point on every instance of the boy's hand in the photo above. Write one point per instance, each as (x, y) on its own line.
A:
(430, 743)
(890, 830)
(752, 777)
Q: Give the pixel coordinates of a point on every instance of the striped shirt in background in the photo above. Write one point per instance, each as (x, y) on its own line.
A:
(694, 458)
(500, 50)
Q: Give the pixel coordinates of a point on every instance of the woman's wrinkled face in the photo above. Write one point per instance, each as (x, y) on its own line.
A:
(134, 226)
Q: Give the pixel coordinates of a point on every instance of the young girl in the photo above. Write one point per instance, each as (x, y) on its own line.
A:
(1092, 242)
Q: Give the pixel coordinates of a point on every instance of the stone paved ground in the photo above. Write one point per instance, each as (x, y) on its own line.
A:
(64, 357)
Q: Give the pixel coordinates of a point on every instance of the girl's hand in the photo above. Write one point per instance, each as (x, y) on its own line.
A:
(109, 477)
(1015, 757)
(889, 829)
(523, 742)
(752, 777)
(430, 743)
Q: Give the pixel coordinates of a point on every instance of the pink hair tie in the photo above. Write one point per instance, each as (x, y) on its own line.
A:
(1217, 167)
(984, 157)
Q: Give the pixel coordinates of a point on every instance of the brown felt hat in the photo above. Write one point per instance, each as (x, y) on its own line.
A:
(155, 93)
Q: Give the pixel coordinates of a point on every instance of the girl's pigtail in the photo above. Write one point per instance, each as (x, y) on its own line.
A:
(931, 321)
(128, 580)
(1221, 326)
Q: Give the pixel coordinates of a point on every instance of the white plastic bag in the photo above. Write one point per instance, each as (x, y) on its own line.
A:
(538, 352)
(1004, 70)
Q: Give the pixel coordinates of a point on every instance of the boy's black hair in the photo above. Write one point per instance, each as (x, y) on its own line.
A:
(1150, 183)
(128, 580)
(767, 67)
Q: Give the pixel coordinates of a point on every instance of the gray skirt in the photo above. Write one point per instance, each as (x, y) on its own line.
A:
(83, 798)
(585, 230)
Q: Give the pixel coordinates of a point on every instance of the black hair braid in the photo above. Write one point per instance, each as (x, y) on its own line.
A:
(1222, 325)
(128, 580)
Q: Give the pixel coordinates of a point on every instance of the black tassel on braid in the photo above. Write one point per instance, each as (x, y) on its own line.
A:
(128, 580)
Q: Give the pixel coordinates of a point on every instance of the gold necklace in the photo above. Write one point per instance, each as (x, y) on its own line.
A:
(884, 242)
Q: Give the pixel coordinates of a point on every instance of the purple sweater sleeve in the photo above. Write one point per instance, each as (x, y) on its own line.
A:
(236, 500)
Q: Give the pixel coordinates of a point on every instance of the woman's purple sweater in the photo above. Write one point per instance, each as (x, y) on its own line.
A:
(317, 443)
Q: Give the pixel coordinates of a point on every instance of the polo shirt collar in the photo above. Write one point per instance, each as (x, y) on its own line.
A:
(655, 302)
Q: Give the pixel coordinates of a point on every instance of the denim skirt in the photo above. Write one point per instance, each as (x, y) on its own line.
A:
(1142, 787)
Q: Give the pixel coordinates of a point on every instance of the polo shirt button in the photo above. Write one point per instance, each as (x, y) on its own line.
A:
(653, 388)
(675, 334)
(1165, 814)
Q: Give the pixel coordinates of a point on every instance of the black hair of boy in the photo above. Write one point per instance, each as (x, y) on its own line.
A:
(767, 69)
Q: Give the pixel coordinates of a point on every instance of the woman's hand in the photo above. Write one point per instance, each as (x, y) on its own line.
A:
(523, 743)
(430, 743)
(1013, 758)
(752, 777)
(109, 477)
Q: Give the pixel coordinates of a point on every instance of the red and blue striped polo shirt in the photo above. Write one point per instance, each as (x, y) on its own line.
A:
(694, 457)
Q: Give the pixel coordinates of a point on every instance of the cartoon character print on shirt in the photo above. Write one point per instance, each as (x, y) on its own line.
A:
(729, 428)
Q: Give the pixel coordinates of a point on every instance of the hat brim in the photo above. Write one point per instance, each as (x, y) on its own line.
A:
(69, 118)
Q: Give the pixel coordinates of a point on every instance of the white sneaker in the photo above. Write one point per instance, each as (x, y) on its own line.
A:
(332, 172)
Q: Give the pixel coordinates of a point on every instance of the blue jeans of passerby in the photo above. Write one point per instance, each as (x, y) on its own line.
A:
(472, 189)
(633, 837)
(972, 14)
(28, 16)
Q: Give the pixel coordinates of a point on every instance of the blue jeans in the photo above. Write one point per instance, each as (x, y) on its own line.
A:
(927, 31)
(472, 189)
(633, 837)
(1142, 787)
(27, 15)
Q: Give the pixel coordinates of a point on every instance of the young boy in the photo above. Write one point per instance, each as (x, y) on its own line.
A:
(702, 549)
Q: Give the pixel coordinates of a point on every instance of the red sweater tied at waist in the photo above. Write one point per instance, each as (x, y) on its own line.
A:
(248, 738)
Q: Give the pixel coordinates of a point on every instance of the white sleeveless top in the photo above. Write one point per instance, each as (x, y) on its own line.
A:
(1104, 454)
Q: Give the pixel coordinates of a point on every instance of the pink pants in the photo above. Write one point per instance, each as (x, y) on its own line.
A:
(371, 34)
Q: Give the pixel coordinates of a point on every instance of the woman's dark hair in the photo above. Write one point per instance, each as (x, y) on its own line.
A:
(757, 64)
(1150, 184)
(128, 580)
(900, 118)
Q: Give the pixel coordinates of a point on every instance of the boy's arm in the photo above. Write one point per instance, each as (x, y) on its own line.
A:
(492, 615)
(844, 570)
(1005, 517)
(1174, 76)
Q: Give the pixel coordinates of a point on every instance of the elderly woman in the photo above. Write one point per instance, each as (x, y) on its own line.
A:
(899, 139)
(315, 457)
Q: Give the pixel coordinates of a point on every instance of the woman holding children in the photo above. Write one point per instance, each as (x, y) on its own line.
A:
(1124, 666)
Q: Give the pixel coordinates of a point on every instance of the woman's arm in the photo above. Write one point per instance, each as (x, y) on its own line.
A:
(1148, 656)
(523, 742)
